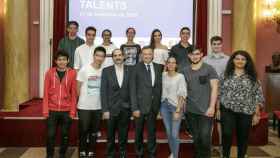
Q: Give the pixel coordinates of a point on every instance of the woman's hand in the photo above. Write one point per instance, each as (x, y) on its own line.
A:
(176, 116)
(256, 119)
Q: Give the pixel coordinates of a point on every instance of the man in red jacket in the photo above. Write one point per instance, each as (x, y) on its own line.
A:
(59, 102)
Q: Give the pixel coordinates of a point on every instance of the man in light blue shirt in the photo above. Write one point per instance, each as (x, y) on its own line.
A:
(217, 58)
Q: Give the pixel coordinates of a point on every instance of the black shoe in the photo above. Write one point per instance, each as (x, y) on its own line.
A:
(122, 155)
(62, 156)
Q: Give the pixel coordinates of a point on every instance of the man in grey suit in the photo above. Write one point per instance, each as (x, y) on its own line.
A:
(115, 101)
(146, 96)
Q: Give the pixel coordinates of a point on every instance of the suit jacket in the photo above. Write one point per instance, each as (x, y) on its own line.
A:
(114, 97)
(144, 96)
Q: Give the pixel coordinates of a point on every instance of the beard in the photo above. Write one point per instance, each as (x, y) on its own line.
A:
(195, 62)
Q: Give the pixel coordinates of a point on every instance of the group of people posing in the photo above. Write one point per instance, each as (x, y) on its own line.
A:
(116, 84)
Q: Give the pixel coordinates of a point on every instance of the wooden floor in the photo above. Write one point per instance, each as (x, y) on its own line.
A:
(272, 150)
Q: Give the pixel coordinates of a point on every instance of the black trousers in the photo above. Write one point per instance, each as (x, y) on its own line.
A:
(150, 120)
(240, 122)
(55, 119)
(118, 123)
(89, 122)
(201, 130)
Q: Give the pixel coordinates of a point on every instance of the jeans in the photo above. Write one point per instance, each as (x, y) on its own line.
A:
(55, 119)
(172, 126)
(242, 124)
(89, 121)
(201, 130)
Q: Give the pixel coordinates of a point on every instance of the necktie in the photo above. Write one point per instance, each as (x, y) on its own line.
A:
(149, 73)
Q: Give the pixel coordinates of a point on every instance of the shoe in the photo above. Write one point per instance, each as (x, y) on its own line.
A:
(83, 154)
(62, 156)
(170, 156)
(91, 154)
(122, 155)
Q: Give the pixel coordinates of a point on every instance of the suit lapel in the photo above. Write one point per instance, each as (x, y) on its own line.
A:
(156, 73)
(114, 76)
(125, 73)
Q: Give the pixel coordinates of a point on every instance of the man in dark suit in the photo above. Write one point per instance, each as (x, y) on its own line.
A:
(115, 101)
(146, 84)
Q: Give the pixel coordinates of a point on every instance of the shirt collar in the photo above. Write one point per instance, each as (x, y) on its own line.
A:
(180, 45)
(217, 55)
(151, 64)
(119, 68)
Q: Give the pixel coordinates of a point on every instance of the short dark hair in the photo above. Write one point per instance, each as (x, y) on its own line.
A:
(130, 28)
(195, 48)
(73, 23)
(146, 47)
(116, 50)
(185, 28)
(106, 30)
(61, 53)
(99, 49)
(216, 38)
(90, 28)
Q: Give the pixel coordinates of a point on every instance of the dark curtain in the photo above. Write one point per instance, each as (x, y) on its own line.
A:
(59, 22)
(201, 24)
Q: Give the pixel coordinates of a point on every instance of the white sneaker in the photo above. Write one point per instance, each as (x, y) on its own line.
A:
(170, 156)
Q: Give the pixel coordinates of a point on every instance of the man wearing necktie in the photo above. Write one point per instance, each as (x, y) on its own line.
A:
(146, 83)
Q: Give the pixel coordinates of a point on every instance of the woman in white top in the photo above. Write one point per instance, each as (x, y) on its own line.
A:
(160, 50)
(174, 92)
(109, 46)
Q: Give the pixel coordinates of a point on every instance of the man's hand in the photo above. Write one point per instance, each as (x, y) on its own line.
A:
(218, 114)
(210, 112)
(106, 115)
(136, 114)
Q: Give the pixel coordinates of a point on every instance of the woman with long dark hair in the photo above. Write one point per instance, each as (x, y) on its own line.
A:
(160, 50)
(240, 101)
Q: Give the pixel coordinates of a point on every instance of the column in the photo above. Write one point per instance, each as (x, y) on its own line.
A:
(244, 26)
(16, 53)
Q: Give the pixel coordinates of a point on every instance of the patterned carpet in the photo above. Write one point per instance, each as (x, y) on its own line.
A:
(272, 150)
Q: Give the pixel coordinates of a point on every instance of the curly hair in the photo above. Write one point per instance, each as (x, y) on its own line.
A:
(249, 67)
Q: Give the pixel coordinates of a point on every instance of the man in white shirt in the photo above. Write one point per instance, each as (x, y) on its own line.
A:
(83, 54)
(115, 100)
(89, 104)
